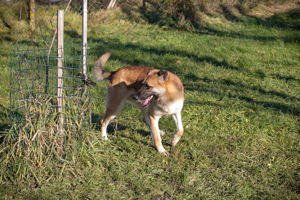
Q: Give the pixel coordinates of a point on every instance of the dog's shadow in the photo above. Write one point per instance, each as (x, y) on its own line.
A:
(115, 126)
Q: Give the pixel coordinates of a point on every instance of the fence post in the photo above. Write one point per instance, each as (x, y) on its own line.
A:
(112, 4)
(84, 36)
(60, 64)
(32, 14)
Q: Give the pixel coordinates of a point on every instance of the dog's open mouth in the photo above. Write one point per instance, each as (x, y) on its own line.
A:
(147, 100)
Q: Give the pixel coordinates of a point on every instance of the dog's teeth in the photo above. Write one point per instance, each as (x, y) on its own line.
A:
(147, 100)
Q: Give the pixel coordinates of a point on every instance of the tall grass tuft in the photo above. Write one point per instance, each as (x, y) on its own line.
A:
(33, 143)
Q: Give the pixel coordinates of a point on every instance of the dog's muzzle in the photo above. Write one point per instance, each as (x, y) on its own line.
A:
(143, 102)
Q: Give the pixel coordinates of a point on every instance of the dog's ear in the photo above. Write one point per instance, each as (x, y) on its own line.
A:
(163, 75)
(149, 71)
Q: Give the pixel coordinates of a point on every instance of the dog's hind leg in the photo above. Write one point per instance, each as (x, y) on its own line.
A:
(104, 123)
(116, 97)
(177, 136)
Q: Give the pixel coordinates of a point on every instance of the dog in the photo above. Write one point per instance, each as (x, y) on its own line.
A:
(155, 92)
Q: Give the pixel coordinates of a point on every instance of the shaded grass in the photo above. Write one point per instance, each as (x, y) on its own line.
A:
(241, 118)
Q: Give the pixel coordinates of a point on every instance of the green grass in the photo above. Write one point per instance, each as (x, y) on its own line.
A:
(241, 119)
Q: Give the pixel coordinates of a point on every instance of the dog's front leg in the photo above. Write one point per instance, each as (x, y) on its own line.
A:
(156, 134)
(147, 121)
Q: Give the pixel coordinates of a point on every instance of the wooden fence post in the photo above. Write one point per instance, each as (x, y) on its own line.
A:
(60, 65)
(32, 14)
(84, 37)
(112, 4)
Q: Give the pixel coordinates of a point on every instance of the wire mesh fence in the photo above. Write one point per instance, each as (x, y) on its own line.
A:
(33, 62)
(34, 87)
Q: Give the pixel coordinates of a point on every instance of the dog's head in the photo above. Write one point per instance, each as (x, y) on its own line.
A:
(153, 87)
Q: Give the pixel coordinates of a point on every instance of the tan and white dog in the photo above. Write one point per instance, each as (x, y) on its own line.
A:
(155, 92)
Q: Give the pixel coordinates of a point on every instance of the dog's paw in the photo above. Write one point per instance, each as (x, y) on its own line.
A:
(165, 153)
(105, 138)
(175, 140)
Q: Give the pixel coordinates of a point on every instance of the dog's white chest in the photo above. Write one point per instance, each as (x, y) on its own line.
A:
(169, 109)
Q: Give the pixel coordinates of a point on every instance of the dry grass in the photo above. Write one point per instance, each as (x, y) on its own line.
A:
(268, 10)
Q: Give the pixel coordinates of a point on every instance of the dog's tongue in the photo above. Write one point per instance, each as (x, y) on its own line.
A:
(146, 101)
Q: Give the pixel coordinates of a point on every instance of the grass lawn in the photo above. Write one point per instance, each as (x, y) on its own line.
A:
(241, 118)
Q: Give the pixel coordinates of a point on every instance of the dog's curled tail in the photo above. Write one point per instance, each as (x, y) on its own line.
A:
(99, 73)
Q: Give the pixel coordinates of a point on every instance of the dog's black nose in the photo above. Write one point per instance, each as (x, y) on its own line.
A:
(135, 97)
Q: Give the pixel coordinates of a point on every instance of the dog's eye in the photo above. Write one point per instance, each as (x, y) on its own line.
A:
(147, 86)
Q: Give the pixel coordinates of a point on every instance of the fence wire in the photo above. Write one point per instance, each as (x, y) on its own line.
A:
(34, 87)
(33, 62)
